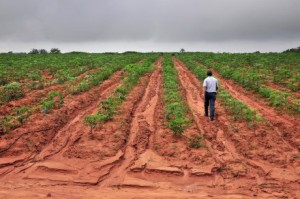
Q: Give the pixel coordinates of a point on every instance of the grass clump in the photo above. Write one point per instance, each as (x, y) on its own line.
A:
(197, 141)
(55, 99)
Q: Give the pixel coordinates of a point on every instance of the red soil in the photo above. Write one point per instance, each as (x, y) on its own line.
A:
(135, 155)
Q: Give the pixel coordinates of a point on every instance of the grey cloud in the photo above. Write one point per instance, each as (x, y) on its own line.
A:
(81, 21)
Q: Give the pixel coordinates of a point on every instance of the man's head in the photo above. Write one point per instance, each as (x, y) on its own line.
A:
(209, 73)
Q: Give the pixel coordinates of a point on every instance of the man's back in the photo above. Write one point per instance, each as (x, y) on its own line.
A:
(211, 84)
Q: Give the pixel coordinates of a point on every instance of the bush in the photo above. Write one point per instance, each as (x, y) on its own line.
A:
(34, 51)
(22, 114)
(5, 124)
(43, 51)
(294, 84)
(55, 100)
(178, 125)
(10, 92)
(55, 51)
(95, 120)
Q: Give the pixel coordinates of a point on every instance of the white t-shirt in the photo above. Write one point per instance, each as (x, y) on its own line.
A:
(211, 84)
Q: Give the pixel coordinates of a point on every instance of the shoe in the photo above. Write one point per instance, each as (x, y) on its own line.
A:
(211, 119)
(206, 115)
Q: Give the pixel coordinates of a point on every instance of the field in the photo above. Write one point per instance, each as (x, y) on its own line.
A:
(132, 125)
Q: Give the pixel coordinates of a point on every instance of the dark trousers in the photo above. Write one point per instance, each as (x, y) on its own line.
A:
(210, 99)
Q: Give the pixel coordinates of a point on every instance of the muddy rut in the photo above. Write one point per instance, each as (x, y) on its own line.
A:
(137, 155)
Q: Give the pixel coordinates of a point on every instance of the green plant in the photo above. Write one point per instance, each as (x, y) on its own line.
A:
(22, 114)
(294, 106)
(55, 100)
(178, 125)
(174, 110)
(53, 94)
(108, 106)
(197, 141)
(47, 106)
(10, 92)
(294, 84)
(278, 98)
(5, 124)
(94, 120)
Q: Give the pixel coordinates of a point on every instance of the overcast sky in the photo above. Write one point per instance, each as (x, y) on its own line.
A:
(150, 25)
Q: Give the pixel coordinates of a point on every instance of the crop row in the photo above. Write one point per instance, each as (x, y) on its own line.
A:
(176, 110)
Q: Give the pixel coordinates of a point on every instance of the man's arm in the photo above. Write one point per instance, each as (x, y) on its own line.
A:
(204, 87)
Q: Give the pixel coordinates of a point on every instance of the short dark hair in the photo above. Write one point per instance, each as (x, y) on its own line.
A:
(209, 73)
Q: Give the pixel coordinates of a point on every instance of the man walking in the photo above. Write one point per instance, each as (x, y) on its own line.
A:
(210, 86)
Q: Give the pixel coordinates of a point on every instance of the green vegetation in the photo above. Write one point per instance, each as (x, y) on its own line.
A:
(197, 141)
(18, 117)
(176, 109)
(55, 99)
(5, 124)
(10, 92)
(93, 120)
(238, 109)
(22, 114)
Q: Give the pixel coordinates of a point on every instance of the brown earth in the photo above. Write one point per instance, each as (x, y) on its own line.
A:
(135, 155)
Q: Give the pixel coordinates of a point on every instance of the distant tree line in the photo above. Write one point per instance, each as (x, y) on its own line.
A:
(43, 51)
(293, 50)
